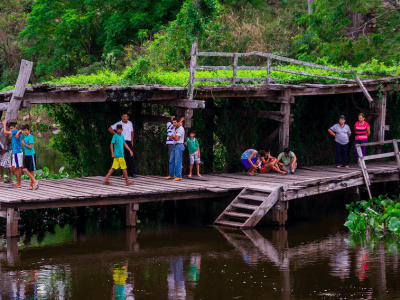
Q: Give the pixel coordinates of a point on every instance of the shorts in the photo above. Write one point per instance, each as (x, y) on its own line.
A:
(194, 158)
(247, 164)
(30, 162)
(119, 162)
(5, 160)
(17, 160)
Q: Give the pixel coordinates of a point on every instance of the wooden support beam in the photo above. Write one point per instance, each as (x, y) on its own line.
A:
(19, 90)
(192, 70)
(265, 143)
(181, 103)
(279, 213)
(12, 222)
(272, 115)
(131, 214)
(24, 104)
(284, 125)
(379, 122)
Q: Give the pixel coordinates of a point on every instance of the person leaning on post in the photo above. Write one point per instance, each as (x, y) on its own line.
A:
(341, 132)
(128, 135)
(362, 130)
(171, 143)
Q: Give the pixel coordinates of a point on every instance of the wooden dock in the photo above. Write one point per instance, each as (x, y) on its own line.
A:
(90, 191)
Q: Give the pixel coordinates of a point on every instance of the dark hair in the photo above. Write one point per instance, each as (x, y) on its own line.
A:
(26, 126)
(119, 126)
(13, 124)
(175, 119)
(192, 131)
(261, 153)
(286, 150)
(123, 114)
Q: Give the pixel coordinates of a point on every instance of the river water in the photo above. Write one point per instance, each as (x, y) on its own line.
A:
(161, 260)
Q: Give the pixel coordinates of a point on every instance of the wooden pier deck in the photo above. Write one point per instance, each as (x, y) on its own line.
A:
(90, 191)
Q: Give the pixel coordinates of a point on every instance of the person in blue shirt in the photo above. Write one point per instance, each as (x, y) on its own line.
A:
(17, 154)
(117, 153)
(29, 168)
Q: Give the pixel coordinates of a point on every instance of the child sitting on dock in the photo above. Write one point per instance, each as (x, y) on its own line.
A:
(194, 152)
(29, 168)
(16, 150)
(117, 153)
(270, 163)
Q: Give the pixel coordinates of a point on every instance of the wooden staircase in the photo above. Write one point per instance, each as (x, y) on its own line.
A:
(248, 208)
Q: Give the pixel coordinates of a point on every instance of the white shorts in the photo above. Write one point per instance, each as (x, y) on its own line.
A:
(18, 160)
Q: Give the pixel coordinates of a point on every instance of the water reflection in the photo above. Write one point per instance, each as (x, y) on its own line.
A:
(176, 262)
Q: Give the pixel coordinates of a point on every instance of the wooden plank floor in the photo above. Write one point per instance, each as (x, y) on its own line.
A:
(90, 190)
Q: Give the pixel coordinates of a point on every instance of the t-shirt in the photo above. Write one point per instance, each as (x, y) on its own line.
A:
(246, 154)
(193, 144)
(342, 133)
(127, 129)
(118, 141)
(286, 160)
(181, 132)
(170, 127)
(29, 140)
(361, 131)
(16, 142)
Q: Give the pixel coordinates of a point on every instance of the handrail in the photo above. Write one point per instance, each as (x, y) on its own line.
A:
(234, 79)
(363, 158)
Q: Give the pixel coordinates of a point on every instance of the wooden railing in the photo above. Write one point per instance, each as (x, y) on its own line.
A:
(362, 158)
(235, 67)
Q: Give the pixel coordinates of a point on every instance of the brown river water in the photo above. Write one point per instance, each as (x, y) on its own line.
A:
(161, 260)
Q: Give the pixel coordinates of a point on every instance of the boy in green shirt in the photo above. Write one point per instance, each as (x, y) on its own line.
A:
(194, 152)
(29, 168)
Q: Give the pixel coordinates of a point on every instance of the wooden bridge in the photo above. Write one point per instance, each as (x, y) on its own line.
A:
(253, 197)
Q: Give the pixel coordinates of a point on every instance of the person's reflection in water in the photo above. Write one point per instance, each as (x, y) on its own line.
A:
(194, 269)
(121, 290)
(32, 287)
(340, 263)
(362, 264)
(18, 286)
(176, 279)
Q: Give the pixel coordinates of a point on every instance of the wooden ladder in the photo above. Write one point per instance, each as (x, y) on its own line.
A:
(248, 208)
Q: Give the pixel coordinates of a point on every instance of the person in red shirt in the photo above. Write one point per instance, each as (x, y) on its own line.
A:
(362, 130)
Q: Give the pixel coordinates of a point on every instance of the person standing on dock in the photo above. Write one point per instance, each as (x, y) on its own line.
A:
(128, 134)
(117, 153)
(29, 168)
(341, 132)
(170, 143)
(362, 130)
(5, 163)
(288, 160)
(175, 163)
(16, 150)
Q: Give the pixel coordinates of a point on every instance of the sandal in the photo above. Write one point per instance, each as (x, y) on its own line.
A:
(130, 183)
(107, 183)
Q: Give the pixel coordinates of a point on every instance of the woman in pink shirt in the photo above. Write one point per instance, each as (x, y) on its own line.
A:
(362, 131)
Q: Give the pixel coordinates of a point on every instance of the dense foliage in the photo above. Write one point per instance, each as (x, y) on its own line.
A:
(376, 215)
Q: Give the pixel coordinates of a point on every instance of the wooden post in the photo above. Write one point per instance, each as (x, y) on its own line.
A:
(103, 212)
(131, 214)
(19, 90)
(364, 170)
(12, 250)
(284, 126)
(192, 70)
(396, 151)
(235, 62)
(12, 222)
(279, 212)
(207, 153)
(268, 70)
(131, 240)
(379, 123)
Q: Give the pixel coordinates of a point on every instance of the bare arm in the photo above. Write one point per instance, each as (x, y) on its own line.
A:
(331, 132)
(198, 149)
(112, 150)
(174, 137)
(110, 130)
(27, 146)
(127, 148)
(294, 162)
(132, 136)
(6, 132)
(18, 133)
(368, 131)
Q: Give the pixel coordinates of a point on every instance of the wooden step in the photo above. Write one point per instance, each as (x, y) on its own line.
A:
(245, 206)
(255, 198)
(229, 223)
(237, 214)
